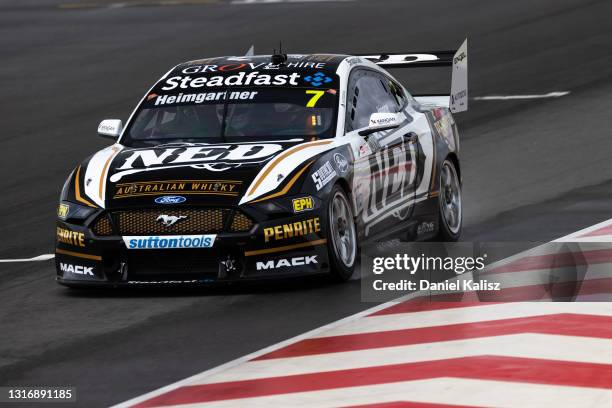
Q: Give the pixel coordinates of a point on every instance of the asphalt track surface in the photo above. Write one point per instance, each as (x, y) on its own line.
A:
(533, 170)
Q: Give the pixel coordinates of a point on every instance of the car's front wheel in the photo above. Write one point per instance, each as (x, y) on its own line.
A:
(342, 235)
(451, 206)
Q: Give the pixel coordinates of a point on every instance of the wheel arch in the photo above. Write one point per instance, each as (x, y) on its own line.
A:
(346, 186)
(452, 156)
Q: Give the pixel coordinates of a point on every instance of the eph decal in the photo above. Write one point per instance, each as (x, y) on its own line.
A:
(289, 262)
(295, 229)
(62, 211)
(241, 79)
(324, 175)
(76, 269)
(169, 241)
(210, 187)
(302, 204)
(210, 157)
(69, 237)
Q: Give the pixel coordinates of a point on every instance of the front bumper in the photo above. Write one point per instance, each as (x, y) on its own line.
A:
(286, 246)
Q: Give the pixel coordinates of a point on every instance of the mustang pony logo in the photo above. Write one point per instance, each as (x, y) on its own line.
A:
(170, 220)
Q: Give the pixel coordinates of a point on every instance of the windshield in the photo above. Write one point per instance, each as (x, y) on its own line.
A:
(234, 115)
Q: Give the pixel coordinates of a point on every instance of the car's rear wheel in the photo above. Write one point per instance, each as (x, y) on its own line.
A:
(342, 235)
(451, 206)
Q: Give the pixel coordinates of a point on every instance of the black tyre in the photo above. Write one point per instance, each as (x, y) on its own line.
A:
(341, 235)
(451, 206)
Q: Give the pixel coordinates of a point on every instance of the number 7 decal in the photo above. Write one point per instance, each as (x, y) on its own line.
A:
(313, 101)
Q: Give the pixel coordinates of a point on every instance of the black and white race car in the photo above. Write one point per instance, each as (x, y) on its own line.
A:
(252, 167)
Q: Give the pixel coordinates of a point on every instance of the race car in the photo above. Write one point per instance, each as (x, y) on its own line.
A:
(265, 166)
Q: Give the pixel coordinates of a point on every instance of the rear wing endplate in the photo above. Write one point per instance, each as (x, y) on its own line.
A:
(458, 60)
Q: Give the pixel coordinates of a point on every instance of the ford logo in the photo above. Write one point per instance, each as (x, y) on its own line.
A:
(170, 200)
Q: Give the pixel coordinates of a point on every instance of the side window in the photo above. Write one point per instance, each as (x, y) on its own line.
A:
(398, 94)
(369, 92)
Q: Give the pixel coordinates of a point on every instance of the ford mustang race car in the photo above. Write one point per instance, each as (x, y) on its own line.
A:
(251, 167)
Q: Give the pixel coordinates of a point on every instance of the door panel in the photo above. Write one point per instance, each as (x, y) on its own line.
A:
(385, 172)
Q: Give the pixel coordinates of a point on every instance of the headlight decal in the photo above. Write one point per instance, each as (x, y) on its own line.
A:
(77, 189)
(272, 175)
(288, 186)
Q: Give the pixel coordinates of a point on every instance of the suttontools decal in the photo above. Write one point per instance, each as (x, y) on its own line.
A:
(169, 241)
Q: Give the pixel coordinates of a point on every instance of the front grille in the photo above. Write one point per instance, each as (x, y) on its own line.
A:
(241, 223)
(102, 227)
(181, 264)
(180, 221)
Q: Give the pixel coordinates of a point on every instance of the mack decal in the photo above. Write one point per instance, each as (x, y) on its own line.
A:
(76, 269)
(288, 262)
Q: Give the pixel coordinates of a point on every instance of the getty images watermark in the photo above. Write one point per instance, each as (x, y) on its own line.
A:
(392, 269)
(502, 271)
(428, 265)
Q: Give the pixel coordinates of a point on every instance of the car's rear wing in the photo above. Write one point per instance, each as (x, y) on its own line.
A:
(458, 98)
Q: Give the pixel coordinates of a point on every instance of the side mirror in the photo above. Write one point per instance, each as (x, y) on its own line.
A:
(381, 121)
(110, 128)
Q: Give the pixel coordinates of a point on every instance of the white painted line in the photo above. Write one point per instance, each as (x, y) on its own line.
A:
(511, 97)
(284, 1)
(464, 315)
(606, 239)
(572, 237)
(524, 345)
(442, 390)
(44, 257)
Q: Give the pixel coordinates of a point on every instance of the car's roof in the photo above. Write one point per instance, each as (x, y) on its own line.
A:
(324, 62)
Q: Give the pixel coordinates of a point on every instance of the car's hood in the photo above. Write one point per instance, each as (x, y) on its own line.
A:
(211, 174)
